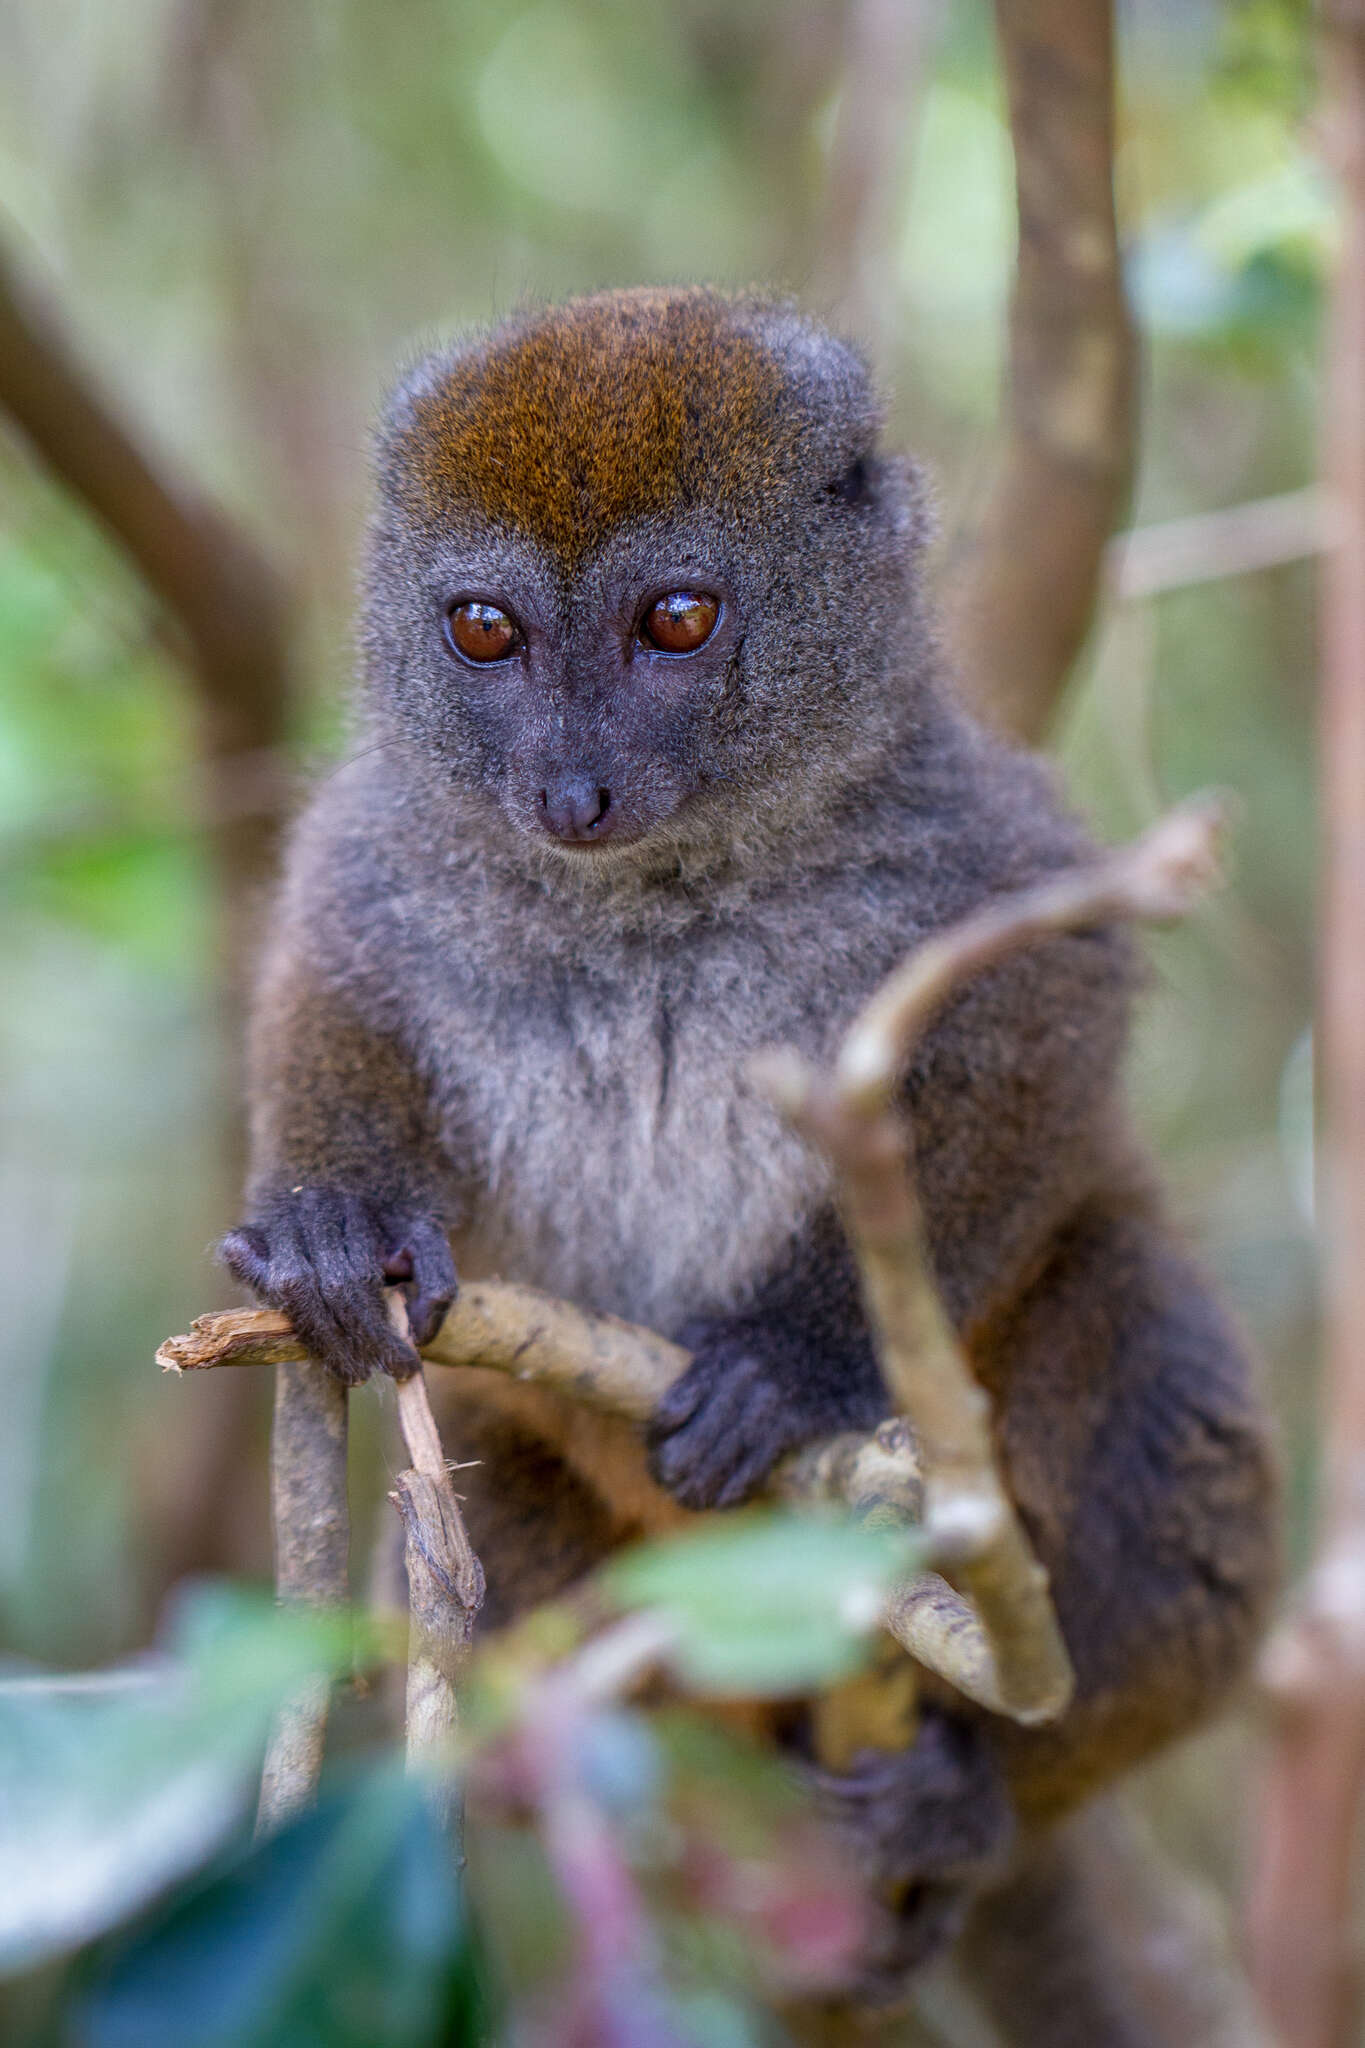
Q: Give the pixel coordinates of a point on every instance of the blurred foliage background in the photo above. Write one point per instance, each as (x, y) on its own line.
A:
(248, 216)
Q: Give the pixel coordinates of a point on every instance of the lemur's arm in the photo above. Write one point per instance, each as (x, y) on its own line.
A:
(348, 1188)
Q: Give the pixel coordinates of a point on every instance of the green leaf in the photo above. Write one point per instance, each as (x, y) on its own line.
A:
(344, 1930)
(113, 1786)
(768, 1603)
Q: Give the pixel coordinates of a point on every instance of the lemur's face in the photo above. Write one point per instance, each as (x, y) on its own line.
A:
(632, 558)
(591, 699)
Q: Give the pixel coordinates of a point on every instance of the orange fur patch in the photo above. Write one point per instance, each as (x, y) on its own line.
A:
(611, 407)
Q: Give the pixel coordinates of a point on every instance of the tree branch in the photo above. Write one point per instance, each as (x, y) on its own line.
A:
(1237, 540)
(216, 585)
(1302, 1914)
(445, 1590)
(312, 1543)
(1029, 581)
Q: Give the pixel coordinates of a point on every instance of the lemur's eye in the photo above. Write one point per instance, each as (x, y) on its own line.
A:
(482, 632)
(680, 622)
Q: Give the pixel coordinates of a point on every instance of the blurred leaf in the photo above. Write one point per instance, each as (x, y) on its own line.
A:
(343, 1931)
(1245, 268)
(751, 1788)
(752, 1890)
(1292, 207)
(768, 1603)
(525, 1937)
(111, 1791)
(620, 1762)
(246, 1652)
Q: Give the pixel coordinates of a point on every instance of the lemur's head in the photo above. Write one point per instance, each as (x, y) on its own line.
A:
(640, 575)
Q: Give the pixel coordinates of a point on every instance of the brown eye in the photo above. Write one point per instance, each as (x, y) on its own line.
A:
(680, 622)
(481, 632)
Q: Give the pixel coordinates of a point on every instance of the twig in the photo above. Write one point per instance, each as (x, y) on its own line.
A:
(445, 1589)
(625, 1370)
(853, 1116)
(1262, 533)
(1028, 583)
(1303, 1917)
(312, 1536)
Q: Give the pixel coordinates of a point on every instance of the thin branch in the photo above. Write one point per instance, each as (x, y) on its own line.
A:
(616, 1367)
(1237, 540)
(853, 1116)
(969, 1516)
(1028, 584)
(312, 1538)
(445, 1592)
(445, 1588)
(624, 1370)
(1303, 1915)
(418, 1424)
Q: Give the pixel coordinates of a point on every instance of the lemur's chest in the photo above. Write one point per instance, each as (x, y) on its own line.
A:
(619, 1156)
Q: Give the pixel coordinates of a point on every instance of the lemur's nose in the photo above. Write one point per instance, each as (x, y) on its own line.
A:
(575, 808)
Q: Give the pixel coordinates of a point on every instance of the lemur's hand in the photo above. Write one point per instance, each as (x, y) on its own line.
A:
(758, 1387)
(323, 1255)
(925, 1828)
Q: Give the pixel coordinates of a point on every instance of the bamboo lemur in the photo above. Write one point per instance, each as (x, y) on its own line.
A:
(659, 767)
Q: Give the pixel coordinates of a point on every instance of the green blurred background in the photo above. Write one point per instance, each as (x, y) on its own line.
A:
(248, 215)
